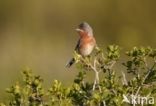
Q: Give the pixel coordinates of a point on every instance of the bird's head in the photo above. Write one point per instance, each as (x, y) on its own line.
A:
(85, 29)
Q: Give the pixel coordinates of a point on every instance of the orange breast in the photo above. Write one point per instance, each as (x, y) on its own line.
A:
(87, 44)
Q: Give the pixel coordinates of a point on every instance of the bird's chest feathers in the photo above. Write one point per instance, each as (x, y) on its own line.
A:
(86, 46)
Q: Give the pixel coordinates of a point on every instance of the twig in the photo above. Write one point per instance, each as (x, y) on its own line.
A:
(93, 67)
(96, 80)
(149, 71)
(124, 79)
(111, 66)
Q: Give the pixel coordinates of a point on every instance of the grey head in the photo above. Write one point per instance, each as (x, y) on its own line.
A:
(84, 26)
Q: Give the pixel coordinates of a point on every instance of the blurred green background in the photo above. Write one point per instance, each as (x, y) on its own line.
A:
(40, 33)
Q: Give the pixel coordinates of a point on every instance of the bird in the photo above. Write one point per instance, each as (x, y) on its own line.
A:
(86, 42)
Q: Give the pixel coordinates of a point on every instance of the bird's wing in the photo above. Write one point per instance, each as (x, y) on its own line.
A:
(77, 46)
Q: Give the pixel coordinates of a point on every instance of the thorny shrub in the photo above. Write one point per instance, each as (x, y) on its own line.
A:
(137, 79)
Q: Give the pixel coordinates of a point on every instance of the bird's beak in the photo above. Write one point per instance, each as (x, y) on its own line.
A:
(79, 30)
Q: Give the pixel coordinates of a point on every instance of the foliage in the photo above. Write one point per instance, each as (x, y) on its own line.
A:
(107, 89)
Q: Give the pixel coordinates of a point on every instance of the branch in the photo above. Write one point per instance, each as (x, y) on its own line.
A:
(149, 71)
(124, 81)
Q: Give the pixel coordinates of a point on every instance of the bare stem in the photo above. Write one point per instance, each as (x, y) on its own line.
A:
(96, 80)
(124, 81)
(94, 68)
(149, 71)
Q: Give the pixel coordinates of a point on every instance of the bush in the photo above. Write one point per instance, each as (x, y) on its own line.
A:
(107, 89)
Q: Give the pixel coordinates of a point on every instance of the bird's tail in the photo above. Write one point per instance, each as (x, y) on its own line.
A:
(70, 63)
